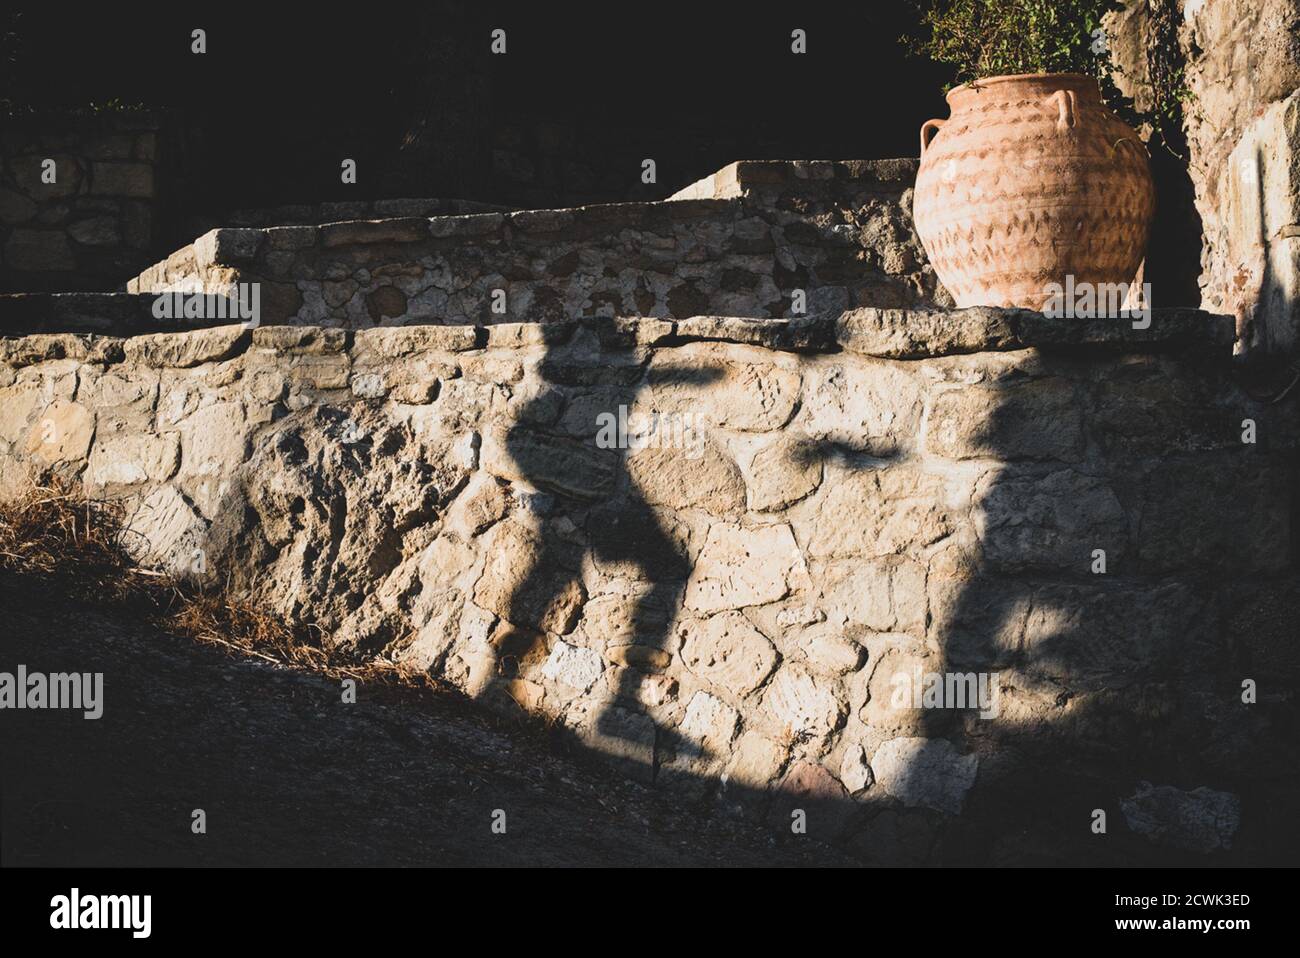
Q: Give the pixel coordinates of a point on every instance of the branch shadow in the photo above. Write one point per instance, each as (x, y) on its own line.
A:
(1099, 702)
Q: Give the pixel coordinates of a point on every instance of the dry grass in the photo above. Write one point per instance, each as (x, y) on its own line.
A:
(52, 530)
(56, 533)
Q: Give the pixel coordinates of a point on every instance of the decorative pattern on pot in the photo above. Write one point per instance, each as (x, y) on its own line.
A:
(1030, 180)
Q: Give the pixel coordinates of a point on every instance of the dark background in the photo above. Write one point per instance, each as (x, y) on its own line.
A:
(414, 94)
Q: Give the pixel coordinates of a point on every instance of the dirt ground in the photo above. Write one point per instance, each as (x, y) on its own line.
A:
(289, 775)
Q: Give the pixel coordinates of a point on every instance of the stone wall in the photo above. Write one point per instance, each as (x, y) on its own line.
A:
(1241, 64)
(99, 222)
(841, 232)
(1243, 71)
(725, 607)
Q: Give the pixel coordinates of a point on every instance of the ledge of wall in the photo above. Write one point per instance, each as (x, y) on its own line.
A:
(314, 214)
(785, 180)
(108, 314)
(883, 333)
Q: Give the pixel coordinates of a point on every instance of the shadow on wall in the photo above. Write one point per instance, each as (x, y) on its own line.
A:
(1097, 682)
(621, 528)
(1174, 249)
(1104, 602)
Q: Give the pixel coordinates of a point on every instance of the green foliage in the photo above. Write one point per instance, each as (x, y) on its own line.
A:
(114, 105)
(984, 38)
(12, 61)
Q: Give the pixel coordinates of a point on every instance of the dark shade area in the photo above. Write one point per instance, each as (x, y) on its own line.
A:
(416, 97)
(288, 775)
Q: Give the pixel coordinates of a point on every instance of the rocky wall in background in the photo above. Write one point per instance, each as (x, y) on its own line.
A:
(1240, 63)
(98, 220)
(1243, 71)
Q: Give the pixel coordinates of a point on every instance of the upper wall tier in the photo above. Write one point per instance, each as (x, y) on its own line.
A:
(782, 239)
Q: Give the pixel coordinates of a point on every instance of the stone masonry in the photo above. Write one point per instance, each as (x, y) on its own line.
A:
(710, 483)
(791, 515)
(99, 218)
(1240, 63)
(839, 232)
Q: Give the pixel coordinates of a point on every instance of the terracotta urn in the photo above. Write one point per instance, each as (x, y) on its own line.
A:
(1030, 182)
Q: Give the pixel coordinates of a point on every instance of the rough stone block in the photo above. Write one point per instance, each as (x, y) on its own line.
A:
(390, 342)
(874, 408)
(723, 389)
(742, 566)
(183, 350)
(782, 473)
(881, 513)
(700, 476)
(925, 772)
(728, 652)
(409, 230)
(521, 584)
(1039, 419)
(301, 340)
(132, 460)
(802, 705)
(1053, 521)
(123, 179)
(62, 433)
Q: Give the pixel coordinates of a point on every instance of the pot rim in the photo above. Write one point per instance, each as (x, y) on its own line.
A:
(974, 85)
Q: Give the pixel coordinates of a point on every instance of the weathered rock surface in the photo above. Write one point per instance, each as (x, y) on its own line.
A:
(727, 651)
(742, 566)
(1199, 820)
(925, 772)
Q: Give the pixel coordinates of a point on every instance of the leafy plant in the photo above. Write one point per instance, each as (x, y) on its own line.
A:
(114, 105)
(985, 38)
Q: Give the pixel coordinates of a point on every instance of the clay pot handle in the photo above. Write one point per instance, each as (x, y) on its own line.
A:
(1065, 101)
(936, 125)
(1139, 149)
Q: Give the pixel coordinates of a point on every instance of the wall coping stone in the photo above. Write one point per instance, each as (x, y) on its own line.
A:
(233, 245)
(736, 179)
(92, 320)
(109, 314)
(924, 333)
(148, 120)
